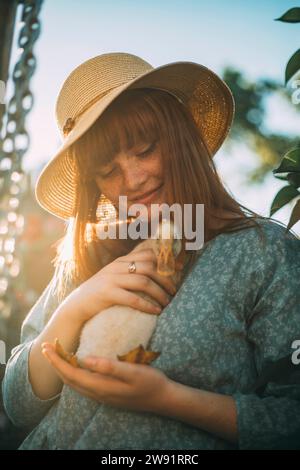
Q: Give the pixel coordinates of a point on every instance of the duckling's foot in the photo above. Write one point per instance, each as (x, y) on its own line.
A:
(69, 357)
(139, 355)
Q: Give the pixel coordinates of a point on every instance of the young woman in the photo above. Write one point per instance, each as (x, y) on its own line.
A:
(150, 134)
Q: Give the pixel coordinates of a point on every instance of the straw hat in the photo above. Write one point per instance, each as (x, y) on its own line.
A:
(94, 84)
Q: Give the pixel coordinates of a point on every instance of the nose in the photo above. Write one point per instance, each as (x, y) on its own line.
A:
(134, 179)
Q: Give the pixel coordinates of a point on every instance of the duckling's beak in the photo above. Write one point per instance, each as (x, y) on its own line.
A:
(166, 258)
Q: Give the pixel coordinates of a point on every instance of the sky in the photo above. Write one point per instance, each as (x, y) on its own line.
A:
(216, 33)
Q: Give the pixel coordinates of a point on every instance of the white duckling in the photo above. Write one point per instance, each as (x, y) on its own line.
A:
(121, 331)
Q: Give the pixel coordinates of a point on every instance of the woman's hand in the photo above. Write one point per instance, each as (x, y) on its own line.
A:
(132, 386)
(113, 285)
(140, 387)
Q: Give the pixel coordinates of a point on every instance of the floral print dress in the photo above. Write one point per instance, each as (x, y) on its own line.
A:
(237, 310)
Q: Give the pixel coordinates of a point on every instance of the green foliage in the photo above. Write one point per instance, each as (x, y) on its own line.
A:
(249, 118)
(289, 168)
(285, 195)
(291, 16)
(293, 66)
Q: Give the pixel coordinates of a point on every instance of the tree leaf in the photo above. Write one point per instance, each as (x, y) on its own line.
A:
(293, 66)
(294, 179)
(283, 178)
(285, 195)
(290, 162)
(295, 216)
(291, 16)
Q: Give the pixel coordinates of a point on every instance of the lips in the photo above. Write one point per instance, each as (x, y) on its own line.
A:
(146, 197)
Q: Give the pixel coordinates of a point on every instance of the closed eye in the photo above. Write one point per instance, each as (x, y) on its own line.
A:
(148, 150)
(102, 174)
(106, 175)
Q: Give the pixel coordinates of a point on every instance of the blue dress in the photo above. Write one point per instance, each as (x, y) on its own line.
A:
(237, 309)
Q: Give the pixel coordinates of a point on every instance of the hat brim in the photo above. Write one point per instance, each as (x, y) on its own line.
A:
(207, 96)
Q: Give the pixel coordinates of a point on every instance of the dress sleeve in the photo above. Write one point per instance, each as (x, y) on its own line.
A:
(22, 406)
(272, 420)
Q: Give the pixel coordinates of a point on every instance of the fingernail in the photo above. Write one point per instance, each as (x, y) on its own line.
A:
(45, 353)
(157, 309)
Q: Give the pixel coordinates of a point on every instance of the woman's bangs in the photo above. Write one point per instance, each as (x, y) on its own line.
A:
(120, 128)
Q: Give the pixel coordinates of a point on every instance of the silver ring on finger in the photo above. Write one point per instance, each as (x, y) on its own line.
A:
(132, 267)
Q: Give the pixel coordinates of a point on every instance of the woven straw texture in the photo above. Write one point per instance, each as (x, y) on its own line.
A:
(94, 84)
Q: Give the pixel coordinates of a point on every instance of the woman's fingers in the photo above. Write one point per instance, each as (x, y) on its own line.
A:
(165, 281)
(145, 280)
(83, 380)
(116, 369)
(143, 283)
(125, 297)
(146, 264)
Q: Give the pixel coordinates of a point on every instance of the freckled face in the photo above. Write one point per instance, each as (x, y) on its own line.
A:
(137, 174)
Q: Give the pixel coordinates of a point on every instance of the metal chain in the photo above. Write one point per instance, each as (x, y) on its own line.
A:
(13, 145)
